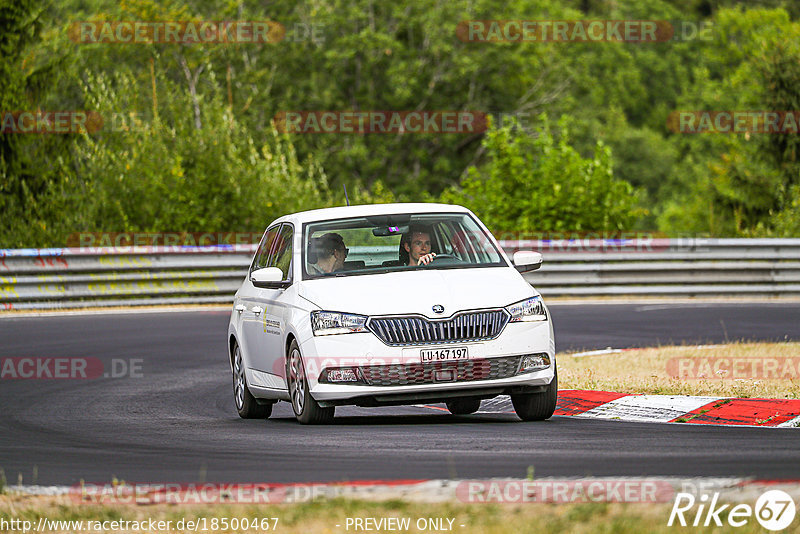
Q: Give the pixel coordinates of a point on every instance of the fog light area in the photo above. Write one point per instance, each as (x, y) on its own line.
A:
(534, 362)
(342, 375)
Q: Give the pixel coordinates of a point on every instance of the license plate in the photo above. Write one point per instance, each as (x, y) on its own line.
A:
(440, 355)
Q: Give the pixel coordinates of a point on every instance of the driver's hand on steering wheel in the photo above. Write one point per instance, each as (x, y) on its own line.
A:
(426, 259)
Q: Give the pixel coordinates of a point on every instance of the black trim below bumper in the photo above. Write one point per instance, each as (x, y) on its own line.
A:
(431, 397)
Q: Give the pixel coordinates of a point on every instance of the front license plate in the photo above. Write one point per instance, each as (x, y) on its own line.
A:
(440, 355)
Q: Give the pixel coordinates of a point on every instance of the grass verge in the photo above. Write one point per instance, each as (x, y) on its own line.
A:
(765, 370)
(325, 515)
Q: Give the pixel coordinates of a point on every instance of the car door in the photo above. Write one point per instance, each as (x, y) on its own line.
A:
(268, 313)
(251, 306)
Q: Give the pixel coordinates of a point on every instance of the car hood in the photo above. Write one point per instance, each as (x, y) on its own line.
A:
(417, 291)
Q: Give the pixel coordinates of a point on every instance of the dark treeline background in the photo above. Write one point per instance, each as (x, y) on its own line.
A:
(580, 142)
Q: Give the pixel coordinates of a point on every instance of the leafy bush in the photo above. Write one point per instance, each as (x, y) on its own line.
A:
(541, 183)
(738, 184)
(163, 173)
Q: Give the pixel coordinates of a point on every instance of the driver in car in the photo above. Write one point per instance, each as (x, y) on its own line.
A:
(326, 254)
(417, 245)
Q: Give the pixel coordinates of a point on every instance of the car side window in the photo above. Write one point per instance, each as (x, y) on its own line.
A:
(282, 257)
(445, 236)
(267, 243)
(457, 245)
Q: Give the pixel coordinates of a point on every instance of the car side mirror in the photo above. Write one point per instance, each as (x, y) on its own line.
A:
(269, 278)
(526, 260)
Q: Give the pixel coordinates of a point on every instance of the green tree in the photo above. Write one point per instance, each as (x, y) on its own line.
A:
(26, 171)
(163, 173)
(734, 184)
(540, 183)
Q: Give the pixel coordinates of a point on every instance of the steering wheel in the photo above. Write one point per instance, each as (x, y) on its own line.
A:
(450, 257)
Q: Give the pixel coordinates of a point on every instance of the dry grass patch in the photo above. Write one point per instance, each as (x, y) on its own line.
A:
(752, 370)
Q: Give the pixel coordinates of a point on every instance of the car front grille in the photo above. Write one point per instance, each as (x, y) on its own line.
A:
(432, 372)
(417, 330)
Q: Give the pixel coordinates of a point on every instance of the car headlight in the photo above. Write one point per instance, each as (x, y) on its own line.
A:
(531, 309)
(325, 323)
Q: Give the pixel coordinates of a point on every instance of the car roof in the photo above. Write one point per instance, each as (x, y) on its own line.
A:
(343, 212)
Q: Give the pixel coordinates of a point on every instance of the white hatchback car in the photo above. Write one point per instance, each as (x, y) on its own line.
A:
(386, 305)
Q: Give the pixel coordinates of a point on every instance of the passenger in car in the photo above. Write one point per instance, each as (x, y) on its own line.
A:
(415, 247)
(326, 254)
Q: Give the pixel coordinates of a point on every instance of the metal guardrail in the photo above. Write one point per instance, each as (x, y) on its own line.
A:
(83, 277)
(78, 277)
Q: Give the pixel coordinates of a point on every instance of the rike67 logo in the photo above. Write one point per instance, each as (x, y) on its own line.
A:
(774, 510)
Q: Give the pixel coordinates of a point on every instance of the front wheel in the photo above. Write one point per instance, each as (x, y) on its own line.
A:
(306, 409)
(247, 405)
(537, 406)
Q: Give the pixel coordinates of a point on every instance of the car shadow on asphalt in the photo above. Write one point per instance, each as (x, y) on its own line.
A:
(410, 419)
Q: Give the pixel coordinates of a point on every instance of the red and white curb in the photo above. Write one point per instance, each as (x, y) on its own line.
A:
(771, 413)
(680, 409)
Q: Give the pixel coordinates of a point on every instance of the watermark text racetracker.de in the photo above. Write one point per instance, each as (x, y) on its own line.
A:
(68, 368)
(735, 122)
(380, 121)
(399, 121)
(582, 31)
(189, 32)
(205, 493)
(735, 368)
(577, 242)
(565, 491)
(63, 122)
(138, 240)
(50, 122)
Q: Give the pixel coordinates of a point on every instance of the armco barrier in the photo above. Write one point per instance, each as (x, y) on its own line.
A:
(77, 277)
(82, 277)
(665, 267)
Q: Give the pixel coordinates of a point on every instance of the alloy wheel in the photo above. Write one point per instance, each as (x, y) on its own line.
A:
(297, 381)
(238, 378)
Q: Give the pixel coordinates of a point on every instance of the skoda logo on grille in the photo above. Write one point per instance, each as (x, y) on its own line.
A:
(438, 308)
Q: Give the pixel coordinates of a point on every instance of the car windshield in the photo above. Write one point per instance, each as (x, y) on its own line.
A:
(384, 243)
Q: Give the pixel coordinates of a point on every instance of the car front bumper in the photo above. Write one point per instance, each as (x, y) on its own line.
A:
(366, 350)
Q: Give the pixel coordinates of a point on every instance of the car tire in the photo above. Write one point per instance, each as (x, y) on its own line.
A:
(463, 406)
(247, 405)
(306, 409)
(537, 406)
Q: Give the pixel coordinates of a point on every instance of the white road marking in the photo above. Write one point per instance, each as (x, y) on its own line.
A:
(652, 408)
(791, 423)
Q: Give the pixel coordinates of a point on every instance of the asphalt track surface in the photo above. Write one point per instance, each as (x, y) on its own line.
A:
(177, 423)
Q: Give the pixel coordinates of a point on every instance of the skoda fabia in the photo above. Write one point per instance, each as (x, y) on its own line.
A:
(386, 305)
